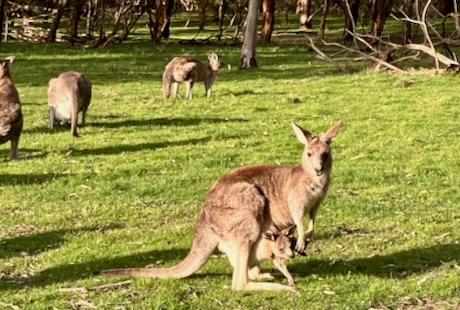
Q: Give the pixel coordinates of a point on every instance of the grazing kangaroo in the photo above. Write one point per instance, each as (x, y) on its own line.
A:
(11, 120)
(189, 71)
(272, 246)
(68, 94)
(252, 200)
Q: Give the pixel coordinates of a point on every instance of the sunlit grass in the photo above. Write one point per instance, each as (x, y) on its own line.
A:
(128, 191)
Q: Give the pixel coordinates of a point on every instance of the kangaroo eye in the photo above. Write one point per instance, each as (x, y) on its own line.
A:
(309, 154)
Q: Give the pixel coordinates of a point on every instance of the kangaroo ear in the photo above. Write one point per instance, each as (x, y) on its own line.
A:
(289, 232)
(303, 135)
(332, 132)
(10, 59)
(270, 236)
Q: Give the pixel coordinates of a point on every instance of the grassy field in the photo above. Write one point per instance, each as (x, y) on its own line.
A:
(128, 191)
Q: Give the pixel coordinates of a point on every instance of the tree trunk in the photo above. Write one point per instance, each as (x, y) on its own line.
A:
(380, 12)
(303, 9)
(407, 26)
(220, 16)
(2, 15)
(203, 6)
(56, 21)
(75, 19)
(351, 10)
(446, 6)
(322, 25)
(269, 20)
(162, 17)
(248, 52)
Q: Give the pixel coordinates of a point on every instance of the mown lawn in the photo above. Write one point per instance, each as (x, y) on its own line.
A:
(128, 191)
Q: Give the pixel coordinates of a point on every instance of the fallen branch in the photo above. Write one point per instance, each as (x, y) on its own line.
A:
(95, 288)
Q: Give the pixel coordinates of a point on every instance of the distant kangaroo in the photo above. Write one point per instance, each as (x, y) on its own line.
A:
(189, 71)
(11, 120)
(252, 200)
(68, 94)
(275, 246)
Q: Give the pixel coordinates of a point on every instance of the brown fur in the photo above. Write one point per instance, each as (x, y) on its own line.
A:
(274, 246)
(250, 201)
(11, 120)
(68, 94)
(189, 71)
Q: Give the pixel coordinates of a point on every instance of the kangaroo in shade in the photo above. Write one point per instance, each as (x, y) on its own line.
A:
(189, 71)
(252, 200)
(274, 246)
(11, 120)
(68, 94)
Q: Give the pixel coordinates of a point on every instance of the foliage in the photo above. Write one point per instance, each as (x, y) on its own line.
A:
(128, 191)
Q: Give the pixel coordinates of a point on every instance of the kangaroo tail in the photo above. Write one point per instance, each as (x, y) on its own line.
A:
(203, 245)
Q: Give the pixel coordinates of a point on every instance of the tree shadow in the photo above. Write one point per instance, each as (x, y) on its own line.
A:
(35, 243)
(29, 178)
(175, 121)
(118, 149)
(395, 265)
(400, 264)
(24, 154)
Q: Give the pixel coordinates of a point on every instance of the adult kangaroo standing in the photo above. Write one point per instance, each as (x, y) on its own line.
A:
(11, 120)
(68, 94)
(252, 200)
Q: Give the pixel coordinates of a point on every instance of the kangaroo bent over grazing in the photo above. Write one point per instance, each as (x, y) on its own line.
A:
(189, 71)
(252, 200)
(68, 94)
(11, 119)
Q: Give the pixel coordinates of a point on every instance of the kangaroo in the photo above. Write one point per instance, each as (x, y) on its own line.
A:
(68, 94)
(189, 71)
(11, 119)
(252, 200)
(272, 246)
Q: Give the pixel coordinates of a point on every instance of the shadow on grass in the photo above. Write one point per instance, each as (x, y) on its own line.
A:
(35, 243)
(175, 121)
(24, 154)
(118, 149)
(29, 178)
(405, 263)
(396, 265)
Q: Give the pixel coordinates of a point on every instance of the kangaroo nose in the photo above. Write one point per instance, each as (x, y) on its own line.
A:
(319, 171)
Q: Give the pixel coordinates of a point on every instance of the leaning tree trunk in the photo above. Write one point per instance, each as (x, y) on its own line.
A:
(268, 7)
(162, 17)
(2, 14)
(407, 25)
(380, 12)
(248, 52)
(351, 10)
(303, 9)
(56, 21)
(75, 19)
(203, 6)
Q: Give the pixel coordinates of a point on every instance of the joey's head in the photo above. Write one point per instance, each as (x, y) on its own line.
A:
(215, 62)
(4, 65)
(317, 157)
(280, 243)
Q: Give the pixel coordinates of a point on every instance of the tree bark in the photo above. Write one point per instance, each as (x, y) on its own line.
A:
(351, 11)
(56, 21)
(268, 7)
(303, 9)
(203, 6)
(2, 15)
(446, 6)
(162, 16)
(380, 12)
(407, 25)
(248, 52)
(75, 19)
(322, 25)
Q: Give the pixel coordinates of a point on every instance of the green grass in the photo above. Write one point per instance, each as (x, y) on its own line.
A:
(128, 191)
